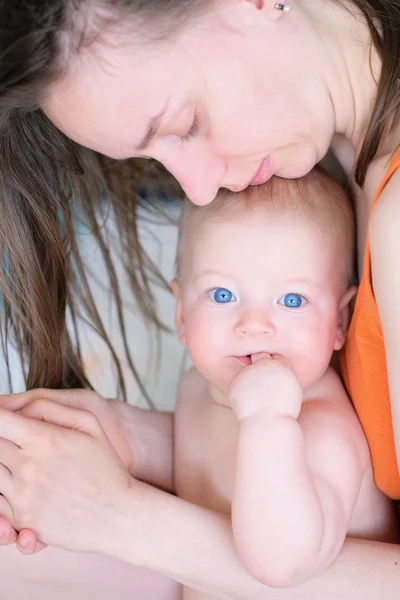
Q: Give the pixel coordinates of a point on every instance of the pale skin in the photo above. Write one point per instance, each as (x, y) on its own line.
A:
(58, 574)
(327, 421)
(196, 141)
(265, 432)
(310, 76)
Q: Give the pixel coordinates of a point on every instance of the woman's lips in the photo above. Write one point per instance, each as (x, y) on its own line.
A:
(264, 172)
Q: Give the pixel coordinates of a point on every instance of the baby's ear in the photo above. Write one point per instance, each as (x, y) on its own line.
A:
(344, 317)
(179, 321)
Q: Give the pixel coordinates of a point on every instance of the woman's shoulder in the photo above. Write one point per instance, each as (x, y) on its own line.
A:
(379, 170)
(384, 183)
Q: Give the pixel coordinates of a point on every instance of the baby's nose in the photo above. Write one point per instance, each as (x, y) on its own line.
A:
(254, 323)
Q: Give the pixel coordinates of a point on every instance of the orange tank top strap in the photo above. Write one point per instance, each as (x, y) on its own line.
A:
(365, 296)
(393, 166)
(363, 363)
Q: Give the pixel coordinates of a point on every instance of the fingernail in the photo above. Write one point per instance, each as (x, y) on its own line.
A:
(23, 542)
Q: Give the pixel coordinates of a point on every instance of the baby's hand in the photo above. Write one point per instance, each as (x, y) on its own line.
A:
(268, 385)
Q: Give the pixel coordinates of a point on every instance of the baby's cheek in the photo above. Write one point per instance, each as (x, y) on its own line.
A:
(207, 342)
(198, 335)
(314, 362)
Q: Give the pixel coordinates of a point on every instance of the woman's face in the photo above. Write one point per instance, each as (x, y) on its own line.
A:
(225, 102)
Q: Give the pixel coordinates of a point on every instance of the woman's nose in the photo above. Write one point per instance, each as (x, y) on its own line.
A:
(253, 323)
(200, 174)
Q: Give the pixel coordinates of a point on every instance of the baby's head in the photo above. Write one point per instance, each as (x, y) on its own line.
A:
(269, 270)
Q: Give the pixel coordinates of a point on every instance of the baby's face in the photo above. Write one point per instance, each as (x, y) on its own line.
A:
(259, 282)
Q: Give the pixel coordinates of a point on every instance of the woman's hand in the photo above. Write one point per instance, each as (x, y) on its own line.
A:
(65, 483)
(143, 439)
(33, 404)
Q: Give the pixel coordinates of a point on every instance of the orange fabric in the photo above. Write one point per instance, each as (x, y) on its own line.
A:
(364, 370)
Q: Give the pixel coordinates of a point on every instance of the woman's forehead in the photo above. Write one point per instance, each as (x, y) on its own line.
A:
(107, 99)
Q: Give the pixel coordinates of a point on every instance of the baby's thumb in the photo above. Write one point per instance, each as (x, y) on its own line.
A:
(260, 356)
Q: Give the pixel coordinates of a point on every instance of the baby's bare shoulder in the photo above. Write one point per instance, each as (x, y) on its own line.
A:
(192, 389)
(328, 388)
(329, 414)
(193, 398)
(191, 379)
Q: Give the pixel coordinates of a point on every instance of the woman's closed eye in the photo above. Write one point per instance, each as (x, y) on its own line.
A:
(193, 129)
(221, 295)
(292, 300)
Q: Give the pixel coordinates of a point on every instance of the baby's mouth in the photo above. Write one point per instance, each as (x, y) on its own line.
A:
(244, 360)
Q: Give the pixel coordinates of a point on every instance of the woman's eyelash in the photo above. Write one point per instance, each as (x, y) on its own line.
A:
(194, 129)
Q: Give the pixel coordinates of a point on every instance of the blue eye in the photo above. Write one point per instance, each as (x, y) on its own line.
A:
(221, 295)
(292, 300)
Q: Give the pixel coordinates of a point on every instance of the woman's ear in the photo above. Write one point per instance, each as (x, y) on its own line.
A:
(179, 321)
(274, 9)
(344, 317)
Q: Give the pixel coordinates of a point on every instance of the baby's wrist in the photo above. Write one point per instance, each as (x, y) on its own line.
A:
(267, 413)
(285, 404)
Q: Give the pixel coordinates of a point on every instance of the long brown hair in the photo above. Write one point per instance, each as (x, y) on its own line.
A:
(47, 185)
(383, 18)
(48, 181)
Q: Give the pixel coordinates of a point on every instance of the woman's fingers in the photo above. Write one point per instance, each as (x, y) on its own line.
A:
(27, 542)
(15, 402)
(21, 430)
(61, 415)
(8, 456)
(74, 398)
(6, 490)
(8, 535)
(6, 516)
(15, 428)
(31, 404)
(91, 414)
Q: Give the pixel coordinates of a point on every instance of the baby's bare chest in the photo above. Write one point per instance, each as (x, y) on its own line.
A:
(205, 454)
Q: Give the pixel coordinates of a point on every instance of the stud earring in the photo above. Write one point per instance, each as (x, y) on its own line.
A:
(283, 7)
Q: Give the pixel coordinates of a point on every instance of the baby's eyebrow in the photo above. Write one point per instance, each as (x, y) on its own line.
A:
(203, 274)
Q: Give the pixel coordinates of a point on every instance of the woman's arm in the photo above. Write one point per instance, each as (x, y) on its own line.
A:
(195, 547)
(58, 476)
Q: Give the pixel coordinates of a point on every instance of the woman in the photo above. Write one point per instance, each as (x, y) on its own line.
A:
(223, 95)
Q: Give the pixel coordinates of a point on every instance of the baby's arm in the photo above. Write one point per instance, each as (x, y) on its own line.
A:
(298, 477)
(385, 253)
(150, 435)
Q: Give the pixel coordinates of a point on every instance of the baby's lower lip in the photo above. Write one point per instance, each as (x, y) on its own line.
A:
(244, 360)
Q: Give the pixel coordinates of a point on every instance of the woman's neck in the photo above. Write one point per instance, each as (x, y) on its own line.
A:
(352, 66)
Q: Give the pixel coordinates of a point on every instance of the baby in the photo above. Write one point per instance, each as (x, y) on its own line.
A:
(264, 428)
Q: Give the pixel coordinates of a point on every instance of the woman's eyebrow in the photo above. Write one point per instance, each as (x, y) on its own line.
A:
(152, 129)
